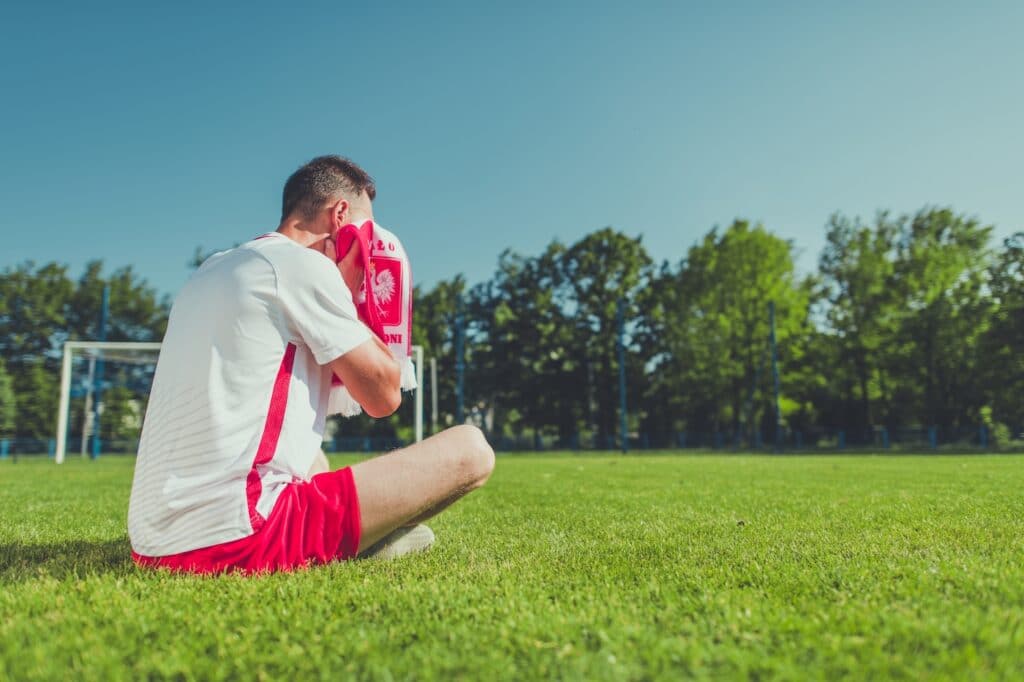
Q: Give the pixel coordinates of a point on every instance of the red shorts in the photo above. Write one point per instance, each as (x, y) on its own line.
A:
(312, 522)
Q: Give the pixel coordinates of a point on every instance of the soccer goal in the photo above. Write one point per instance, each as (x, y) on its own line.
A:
(104, 388)
(102, 383)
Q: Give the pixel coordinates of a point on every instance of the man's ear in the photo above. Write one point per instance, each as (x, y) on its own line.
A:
(340, 212)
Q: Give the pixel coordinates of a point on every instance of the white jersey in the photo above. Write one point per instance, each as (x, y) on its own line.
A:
(239, 398)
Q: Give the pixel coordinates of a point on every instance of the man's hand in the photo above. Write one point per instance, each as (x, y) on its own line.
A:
(350, 267)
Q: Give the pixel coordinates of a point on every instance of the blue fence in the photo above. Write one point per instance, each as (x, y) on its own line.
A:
(19, 447)
(792, 441)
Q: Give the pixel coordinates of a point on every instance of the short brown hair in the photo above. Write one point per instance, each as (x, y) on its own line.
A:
(322, 180)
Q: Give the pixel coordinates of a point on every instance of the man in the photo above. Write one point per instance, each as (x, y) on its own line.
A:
(230, 475)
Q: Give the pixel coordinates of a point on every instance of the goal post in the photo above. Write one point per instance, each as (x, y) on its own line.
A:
(98, 348)
(417, 359)
(113, 347)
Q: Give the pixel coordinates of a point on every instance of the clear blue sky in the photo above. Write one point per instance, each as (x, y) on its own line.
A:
(135, 134)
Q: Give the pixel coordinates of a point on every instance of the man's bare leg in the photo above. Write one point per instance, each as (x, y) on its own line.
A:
(409, 485)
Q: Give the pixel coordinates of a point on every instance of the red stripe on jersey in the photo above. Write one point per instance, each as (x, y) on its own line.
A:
(271, 432)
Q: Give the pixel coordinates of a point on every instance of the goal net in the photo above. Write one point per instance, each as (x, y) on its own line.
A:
(104, 390)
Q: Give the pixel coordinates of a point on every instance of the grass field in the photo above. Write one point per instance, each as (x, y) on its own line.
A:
(596, 567)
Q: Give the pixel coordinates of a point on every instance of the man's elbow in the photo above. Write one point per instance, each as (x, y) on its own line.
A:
(390, 398)
(386, 405)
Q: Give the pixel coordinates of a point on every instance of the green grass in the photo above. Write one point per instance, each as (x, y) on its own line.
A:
(595, 567)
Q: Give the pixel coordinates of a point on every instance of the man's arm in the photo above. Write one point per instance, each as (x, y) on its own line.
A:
(372, 376)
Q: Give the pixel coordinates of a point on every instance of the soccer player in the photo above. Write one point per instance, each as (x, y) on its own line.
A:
(230, 475)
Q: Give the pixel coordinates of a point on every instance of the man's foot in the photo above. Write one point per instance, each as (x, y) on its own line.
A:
(402, 541)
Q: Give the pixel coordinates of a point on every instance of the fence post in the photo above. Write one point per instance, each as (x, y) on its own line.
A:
(933, 437)
(798, 437)
(983, 436)
(842, 440)
(885, 438)
(682, 439)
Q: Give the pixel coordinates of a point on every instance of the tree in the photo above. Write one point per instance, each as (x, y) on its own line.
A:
(32, 312)
(33, 305)
(36, 394)
(715, 325)
(434, 329)
(121, 418)
(135, 312)
(601, 269)
(41, 307)
(942, 270)
(862, 312)
(1003, 343)
(523, 349)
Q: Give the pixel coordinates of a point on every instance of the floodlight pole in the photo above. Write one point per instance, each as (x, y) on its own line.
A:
(98, 386)
(460, 364)
(775, 376)
(620, 315)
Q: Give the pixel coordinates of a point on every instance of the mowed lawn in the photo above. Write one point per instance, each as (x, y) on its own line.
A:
(584, 567)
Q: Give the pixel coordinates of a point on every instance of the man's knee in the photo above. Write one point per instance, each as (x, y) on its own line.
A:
(475, 455)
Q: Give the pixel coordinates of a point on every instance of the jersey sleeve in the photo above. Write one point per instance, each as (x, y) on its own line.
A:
(319, 309)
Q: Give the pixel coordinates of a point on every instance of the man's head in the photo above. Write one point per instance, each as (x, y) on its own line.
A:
(330, 189)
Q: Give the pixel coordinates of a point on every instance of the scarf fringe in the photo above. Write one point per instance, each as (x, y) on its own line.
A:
(340, 401)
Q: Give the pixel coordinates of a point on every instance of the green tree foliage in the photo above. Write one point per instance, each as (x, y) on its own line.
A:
(33, 322)
(136, 312)
(33, 312)
(715, 327)
(434, 329)
(862, 313)
(909, 321)
(1003, 343)
(35, 386)
(524, 346)
(600, 270)
(942, 271)
(122, 414)
(8, 402)
(41, 307)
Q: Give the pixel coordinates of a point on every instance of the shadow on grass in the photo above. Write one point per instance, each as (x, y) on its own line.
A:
(20, 562)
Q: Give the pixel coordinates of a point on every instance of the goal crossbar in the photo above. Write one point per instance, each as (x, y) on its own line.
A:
(65, 384)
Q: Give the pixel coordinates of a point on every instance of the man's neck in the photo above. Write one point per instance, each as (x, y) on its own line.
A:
(304, 234)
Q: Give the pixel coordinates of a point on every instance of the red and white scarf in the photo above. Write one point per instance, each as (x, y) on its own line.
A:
(384, 302)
